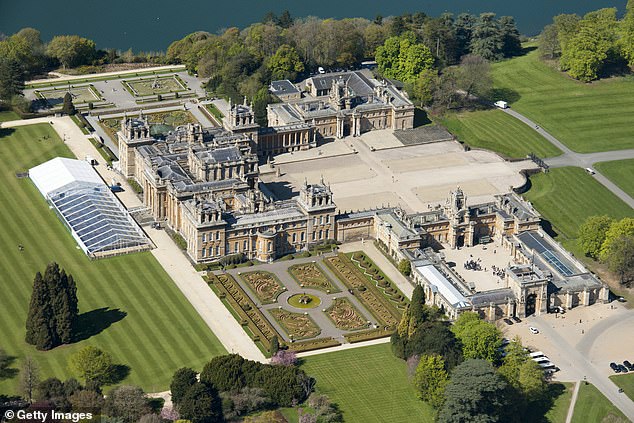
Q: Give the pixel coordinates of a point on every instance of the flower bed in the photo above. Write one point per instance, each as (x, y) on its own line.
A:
(264, 285)
(367, 292)
(309, 275)
(296, 325)
(345, 316)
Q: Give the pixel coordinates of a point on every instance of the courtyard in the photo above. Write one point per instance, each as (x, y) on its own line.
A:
(414, 177)
(329, 299)
(488, 263)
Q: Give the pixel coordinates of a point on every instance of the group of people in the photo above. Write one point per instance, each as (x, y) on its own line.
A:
(472, 265)
(498, 272)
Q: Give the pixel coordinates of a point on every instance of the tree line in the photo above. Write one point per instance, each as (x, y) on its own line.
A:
(611, 242)
(593, 46)
(461, 371)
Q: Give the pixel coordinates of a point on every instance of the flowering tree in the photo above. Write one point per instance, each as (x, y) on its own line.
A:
(284, 358)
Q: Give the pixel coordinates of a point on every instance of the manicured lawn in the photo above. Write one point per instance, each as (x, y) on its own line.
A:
(7, 115)
(568, 196)
(160, 331)
(585, 117)
(495, 130)
(559, 410)
(626, 382)
(621, 172)
(369, 384)
(592, 406)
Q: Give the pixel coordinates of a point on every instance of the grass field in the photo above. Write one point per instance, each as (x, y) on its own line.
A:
(7, 115)
(495, 130)
(621, 172)
(585, 117)
(592, 406)
(369, 384)
(567, 196)
(559, 411)
(160, 331)
(626, 382)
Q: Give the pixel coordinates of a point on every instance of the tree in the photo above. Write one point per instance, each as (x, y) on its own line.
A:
(479, 339)
(86, 400)
(275, 345)
(128, 403)
(11, 79)
(475, 393)
(405, 267)
(474, 76)
(617, 230)
(29, 378)
(511, 44)
(627, 30)
(464, 25)
(592, 234)
(549, 42)
(92, 365)
(487, 39)
(201, 404)
(594, 42)
(182, 380)
(423, 88)
(40, 330)
(567, 27)
(430, 379)
(68, 107)
(446, 90)
(72, 50)
(402, 58)
(52, 390)
(224, 372)
(285, 63)
(621, 258)
(238, 403)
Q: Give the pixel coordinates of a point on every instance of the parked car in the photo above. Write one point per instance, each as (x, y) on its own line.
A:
(516, 319)
(508, 321)
(621, 299)
(533, 330)
(622, 368)
(615, 367)
(628, 365)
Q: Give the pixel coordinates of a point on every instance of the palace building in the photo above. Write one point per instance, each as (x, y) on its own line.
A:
(204, 185)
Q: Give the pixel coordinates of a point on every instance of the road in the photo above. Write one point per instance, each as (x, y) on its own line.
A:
(582, 367)
(571, 158)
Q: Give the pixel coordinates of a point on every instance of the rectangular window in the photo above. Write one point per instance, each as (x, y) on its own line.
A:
(245, 245)
(204, 237)
(314, 236)
(217, 235)
(217, 250)
(321, 234)
(203, 253)
(328, 219)
(294, 238)
(301, 237)
(327, 233)
(321, 220)
(211, 251)
(236, 247)
(315, 221)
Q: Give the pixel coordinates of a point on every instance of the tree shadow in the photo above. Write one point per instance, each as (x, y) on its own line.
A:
(537, 409)
(96, 321)
(526, 50)
(505, 94)
(5, 132)
(156, 404)
(421, 118)
(5, 371)
(118, 374)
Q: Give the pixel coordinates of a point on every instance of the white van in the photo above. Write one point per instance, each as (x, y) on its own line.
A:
(501, 104)
(536, 354)
(590, 170)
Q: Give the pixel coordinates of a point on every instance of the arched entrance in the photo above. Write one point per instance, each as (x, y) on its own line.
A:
(531, 301)
(460, 241)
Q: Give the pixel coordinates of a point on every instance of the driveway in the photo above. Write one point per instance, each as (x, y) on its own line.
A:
(571, 158)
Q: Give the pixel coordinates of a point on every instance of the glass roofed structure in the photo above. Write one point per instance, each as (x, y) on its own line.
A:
(97, 220)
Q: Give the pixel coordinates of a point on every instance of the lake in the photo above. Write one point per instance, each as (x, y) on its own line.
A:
(154, 24)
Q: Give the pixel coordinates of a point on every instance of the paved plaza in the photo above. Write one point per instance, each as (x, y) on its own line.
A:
(317, 314)
(414, 177)
(486, 256)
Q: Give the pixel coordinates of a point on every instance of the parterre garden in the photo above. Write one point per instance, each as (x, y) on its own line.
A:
(159, 331)
(308, 275)
(264, 285)
(345, 315)
(296, 325)
(144, 87)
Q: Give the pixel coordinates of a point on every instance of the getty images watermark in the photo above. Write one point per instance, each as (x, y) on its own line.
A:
(45, 416)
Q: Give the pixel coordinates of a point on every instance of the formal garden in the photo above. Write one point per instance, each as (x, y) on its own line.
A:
(308, 275)
(80, 94)
(311, 303)
(264, 285)
(154, 85)
(160, 123)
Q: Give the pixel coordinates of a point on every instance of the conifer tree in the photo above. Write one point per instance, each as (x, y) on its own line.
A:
(39, 327)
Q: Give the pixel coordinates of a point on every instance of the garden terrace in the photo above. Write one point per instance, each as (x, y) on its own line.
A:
(366, 291)
(309, 275)
(264, 285)
(159, 122)
(296, 325)
(345, 316)
(144, 87)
